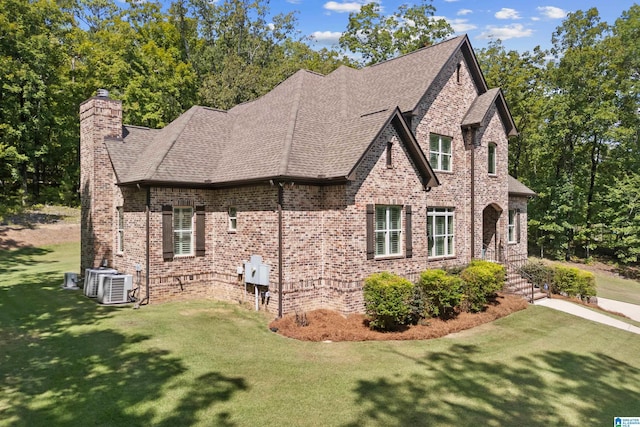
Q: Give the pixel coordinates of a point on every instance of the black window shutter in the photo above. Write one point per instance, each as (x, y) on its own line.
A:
(167, 232)
(370, 237)
(518, 225)
(409, 240)
(200, 231)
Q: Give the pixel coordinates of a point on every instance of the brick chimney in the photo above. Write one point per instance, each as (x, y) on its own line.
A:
(100, 118)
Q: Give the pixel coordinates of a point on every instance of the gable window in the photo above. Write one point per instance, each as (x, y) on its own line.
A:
(387, 230)
(491, 158)
(440, 232)
(513, 228)
(120, 237)
(389, 153)
(182, 231)
(440, 152)
(233, 219)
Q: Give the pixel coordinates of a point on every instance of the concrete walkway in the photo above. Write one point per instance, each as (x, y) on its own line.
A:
(632, 311)
(585, 313)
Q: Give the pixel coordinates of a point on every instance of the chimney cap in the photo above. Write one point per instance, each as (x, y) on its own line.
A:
(103, 93)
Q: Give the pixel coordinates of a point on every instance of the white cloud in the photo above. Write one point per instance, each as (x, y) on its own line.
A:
(326, 37)
(294, 1)
(461, 25)
(507, 32)
(552, 12)
(343, 7)
(463, 12)
(450, 1)
(507, 13)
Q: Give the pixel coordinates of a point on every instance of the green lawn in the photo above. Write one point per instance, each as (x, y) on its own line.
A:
(65, 361)
(617, 288)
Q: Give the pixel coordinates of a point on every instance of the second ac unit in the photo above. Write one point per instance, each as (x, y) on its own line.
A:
(114, 288)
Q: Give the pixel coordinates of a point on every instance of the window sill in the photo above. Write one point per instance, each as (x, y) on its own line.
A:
(232, 231)
(450, 172)
(512, 243)
(120, 254)
(441, 258)
(183, 256)
(493, 175)
(388, 257)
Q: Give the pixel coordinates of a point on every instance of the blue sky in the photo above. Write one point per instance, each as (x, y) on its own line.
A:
(521, 25)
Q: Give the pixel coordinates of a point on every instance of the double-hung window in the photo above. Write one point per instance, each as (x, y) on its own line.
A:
(440, 152)
(120, 238)
(491, 159)
(440, 232)
(182, 231)
(513, 228)
(233, 219)
(388, 227)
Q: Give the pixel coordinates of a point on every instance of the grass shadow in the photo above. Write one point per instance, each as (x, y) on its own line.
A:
(18, 259)
(455, 388)
(60, 365)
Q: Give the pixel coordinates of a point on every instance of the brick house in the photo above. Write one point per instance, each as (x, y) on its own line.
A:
(400, 166)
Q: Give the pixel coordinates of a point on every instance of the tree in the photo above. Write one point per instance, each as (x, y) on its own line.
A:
(34, 73)
(377, 37)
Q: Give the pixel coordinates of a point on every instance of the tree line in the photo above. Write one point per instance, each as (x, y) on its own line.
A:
(575, 106)
(577, 109)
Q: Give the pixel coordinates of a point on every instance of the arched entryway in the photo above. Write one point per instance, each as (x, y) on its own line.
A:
(491, 242)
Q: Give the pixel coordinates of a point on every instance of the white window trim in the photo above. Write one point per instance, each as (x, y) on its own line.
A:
(495, 159)
(120, 233)
(440, 154)
(387, 231)
(176, 231)
(233, 218)
(449, 215)
(511, 226)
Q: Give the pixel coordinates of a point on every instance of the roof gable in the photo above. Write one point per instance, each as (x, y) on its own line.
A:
(480, 108)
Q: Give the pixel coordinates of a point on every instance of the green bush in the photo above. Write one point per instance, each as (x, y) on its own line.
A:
(538, 272)
(387, 300)
(572, 282)
(482, 279)
(442, 293)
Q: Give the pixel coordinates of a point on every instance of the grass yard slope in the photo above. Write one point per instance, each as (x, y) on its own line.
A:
(66, 361)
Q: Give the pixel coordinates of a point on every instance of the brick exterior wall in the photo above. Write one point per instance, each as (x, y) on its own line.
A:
(324, 227)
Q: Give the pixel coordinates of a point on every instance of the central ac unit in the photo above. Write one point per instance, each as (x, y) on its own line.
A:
(114, 288)
(92, 280)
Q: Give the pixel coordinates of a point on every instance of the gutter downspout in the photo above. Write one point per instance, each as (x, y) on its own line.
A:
(148, 209)
(473, 194)
(280, 246)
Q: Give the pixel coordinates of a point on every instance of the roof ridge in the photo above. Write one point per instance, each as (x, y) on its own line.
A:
(415, 51)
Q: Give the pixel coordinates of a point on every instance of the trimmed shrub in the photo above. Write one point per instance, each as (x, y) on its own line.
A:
(539, 272)
(482, 279)
(573, 282)
(387, 300)
(442, 293)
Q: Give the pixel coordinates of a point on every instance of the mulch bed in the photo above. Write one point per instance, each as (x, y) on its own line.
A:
(328, 325)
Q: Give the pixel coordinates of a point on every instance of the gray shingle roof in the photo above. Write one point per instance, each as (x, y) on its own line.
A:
(516, 188)
(310, 127)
